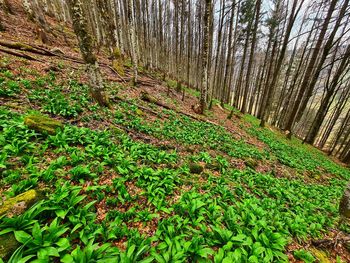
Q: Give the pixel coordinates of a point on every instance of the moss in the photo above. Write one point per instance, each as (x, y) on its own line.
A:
(118, 66)
(195, 168)
(147, 97)
(116, 53)
(251, 163)
(139, 112)
(320, 255)
(8, 244)
(19, 203)
(42, 124)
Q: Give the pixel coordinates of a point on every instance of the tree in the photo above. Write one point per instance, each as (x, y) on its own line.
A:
(251, 56)
(132, 37)
(80, 27)
(271, 87)
(322, 111)
(204, 88)
(305, 85)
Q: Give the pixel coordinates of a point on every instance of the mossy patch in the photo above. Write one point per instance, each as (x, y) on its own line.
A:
(42, 124)
(19, 203)
(195, 168)
(8, 244)
(251, 163)
(320, 255)
(118, 66)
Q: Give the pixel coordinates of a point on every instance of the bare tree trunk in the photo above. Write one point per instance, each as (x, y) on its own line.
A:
(204, 89)
(132, 36)
(251, 56)
(310, 68)
(85, 43)
(271, 87)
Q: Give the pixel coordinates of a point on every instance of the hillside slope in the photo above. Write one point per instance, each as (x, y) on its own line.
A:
(153, 182)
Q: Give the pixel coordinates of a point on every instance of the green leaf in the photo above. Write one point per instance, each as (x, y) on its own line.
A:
(204, 252)
(61, 213)
(44, 253)
(25, 259)
(67, 258)
(253, 259)
(63, 244)
(22, 236)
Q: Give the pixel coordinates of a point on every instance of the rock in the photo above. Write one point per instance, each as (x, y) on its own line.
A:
(8, 245)
(42, 124)
(15, 206)
(251, 163)
(57, 51)
(139, 112)
(145, 96)
(195, 168)
(19, 203)
(344, 205)
(320, 255)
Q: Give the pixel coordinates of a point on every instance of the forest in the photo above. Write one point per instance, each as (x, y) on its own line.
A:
(174, 131)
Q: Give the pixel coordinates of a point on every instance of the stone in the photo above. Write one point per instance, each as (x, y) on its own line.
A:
(11, 207)
(8, 245)
(195, 168)
(251, 163)
(320, 255)
(42, 124)
(18, 204)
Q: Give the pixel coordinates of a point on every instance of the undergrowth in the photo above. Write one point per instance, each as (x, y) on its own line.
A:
(110, 198)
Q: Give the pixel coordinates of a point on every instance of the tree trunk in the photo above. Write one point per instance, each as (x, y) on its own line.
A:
(85, 44)
(132, 36)
(204, 88)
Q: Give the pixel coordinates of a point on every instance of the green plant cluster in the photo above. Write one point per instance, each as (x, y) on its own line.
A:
(239, 216)
(110, 198)
(297, 155)
(66, 101)
(187, 131)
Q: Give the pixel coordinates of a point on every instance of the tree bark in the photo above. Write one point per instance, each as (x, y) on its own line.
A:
(85, 44)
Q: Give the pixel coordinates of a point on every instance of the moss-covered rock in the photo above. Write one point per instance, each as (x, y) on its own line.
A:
(42, 123)
(320, 255)
(19, 203)
(195, 168)
(8, 245)
(15, 206)
(251, 163)
(145, 96)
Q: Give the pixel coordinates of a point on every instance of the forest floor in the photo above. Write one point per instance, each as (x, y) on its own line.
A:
(139, 181)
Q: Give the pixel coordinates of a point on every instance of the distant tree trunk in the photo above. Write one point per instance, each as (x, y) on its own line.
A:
(132, 36)
(226, 86)
(251, 56)
(322, 111)
(85, 44)
(218, 46)
(204, 89)
(189, 48)
(271, 87)
(308, 73)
